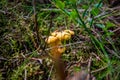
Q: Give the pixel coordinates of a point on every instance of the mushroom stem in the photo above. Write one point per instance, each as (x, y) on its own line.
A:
(60, 70)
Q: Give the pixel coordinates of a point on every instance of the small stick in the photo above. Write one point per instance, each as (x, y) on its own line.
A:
(36, 24)
(100, 69)
(89, 64)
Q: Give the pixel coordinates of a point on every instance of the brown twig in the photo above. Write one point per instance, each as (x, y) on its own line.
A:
(55, 9)
(97, 57)
(36, 29)
(89, 65)
(100, 69)
(112, 52)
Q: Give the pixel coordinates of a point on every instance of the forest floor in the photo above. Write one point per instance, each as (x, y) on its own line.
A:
(94, 47)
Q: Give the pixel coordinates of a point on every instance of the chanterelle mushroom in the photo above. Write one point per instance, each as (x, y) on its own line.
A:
(55, 41)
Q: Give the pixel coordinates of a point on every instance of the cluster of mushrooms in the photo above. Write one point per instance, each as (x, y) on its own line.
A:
(55, 41)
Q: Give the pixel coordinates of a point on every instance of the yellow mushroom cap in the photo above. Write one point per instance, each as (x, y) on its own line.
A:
(69, 31)
(51, 39)
(60, 36)
(66, 36)
(55, 40)
(63, 36)
(54, 33)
